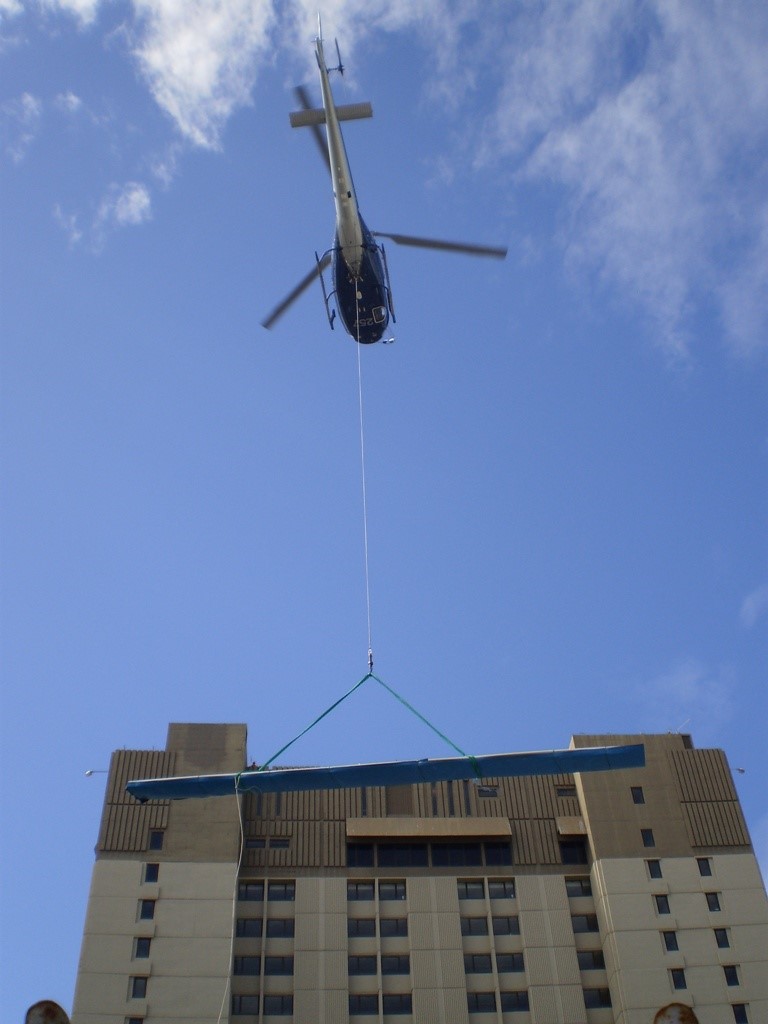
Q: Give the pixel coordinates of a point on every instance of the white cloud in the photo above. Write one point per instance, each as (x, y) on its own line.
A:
(20, 123)
(69, 223)
(84, 10)
(688, 697)
(124, 205)
(68, 103)
(754, 605)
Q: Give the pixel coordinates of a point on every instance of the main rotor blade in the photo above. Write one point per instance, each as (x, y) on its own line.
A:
(495, 252)
(303, 97)
(288, 301)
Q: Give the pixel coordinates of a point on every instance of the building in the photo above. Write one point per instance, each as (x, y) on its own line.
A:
(586, 899)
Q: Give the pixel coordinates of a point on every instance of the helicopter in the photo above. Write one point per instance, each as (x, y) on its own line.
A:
(361, 287)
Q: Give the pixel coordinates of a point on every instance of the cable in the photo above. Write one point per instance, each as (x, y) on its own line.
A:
(362, 470)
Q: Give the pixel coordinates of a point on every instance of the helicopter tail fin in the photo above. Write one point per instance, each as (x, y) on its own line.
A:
(315, 116)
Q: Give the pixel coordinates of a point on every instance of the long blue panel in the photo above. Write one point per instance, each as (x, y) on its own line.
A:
(392, 773)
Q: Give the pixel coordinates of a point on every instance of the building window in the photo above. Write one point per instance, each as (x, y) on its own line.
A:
(585, 923)
(509, 925)
(281, 892)
(474, 926)
(280, 928)
(134, 1020)
(511, 1001)
(403, 855)
(247, 965)
(498, 854)
(501, 888)
(147, 910)
(447, 855)
(471, 890)
(138, 987)
(361, 927)
(248, 928)
(740, 1013)
(481, 1002)
(250, 891)
(677, 977)
(713, 900)
(391, 890)
(654, 868)
(364, 1004)
(565, 791)
(487, 791)
(670, 942)
(279, 844)
(141, 948)
(151, 872)
(245, 1005)
(396, 964)
(477, 963)
(596, 997)
(647, 837)
(360, 855)
(662, 904)
(156, 839)
(578, 886)
(396, 1003)
(509, 963)
(361, 965)
(256, 843)
(389, 926)
(705, 866)
(731, 973)
(573, 851)
(278, 965)
(360, 891)
(638, 797)
(721, 938)
(280, 1006)
(591, 959)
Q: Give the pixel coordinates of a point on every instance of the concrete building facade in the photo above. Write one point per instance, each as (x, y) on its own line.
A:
(589, 899)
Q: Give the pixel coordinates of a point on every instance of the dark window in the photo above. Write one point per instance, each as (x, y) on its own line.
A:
(511, 1001)
(255, 844)
(713, 900)
(281, 892)
(477, 963)
(360, 890)
(147, 909)
(670, 942)
(151, 872)
(156, 838)
(596, 997)
(138, 987)
(446, 855)
(471, 890)
(677, 975)
(585, 923)
(573, 851)
(361, 927)
(591, 959)
(474, 926)
(279, 844)
(509, 963)
(141, 948)
(278, 965)
(579, 886)
(654, 868)
(481, 1002)
(396, 964)
(250, 891)
(638, 797)
(245, 1004)
(393, 926)
(662, 904)
(280, 928)
(247, 965)
(134, 1020)
(249, 927)
(705, 866)
(280, 1006)
(501, 888)
(397, 1003)
(564, 791)
(487, 791)
(368, 1004)
(391, 890)
(506, 925)
(498, 854)
(731, 974)
(401, 855)
(360, 855)
(647, 837)
(721, 938)
(361, 965)
(740, 1013)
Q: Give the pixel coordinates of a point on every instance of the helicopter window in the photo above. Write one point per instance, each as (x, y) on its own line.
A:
(379, 314)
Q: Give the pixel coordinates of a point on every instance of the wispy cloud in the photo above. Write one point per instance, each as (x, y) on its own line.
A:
(754, 606)
(83, 10)
(20, 124)
(688, 697)
(124, 205)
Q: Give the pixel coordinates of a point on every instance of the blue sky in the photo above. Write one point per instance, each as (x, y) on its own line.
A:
(565, 452)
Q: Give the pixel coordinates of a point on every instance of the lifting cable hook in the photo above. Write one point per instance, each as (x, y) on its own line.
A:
(370, 660)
